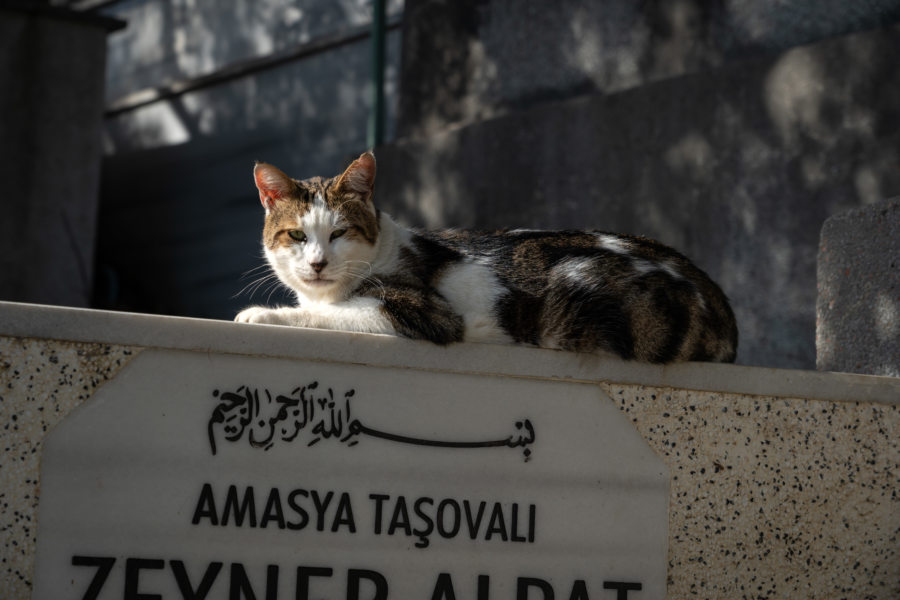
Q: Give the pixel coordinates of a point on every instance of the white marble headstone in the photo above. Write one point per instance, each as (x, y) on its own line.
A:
(214, 476)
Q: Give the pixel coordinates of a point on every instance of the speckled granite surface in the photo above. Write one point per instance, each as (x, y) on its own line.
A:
(775, 497)
(40, 382)
(772, 495)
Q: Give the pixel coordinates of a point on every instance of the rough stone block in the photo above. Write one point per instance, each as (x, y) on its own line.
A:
(858, 307)
(467, 60)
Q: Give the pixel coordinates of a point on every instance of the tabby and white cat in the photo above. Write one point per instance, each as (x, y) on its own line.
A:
(353, 268)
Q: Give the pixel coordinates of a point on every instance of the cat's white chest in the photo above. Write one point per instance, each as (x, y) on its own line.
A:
(473, 290)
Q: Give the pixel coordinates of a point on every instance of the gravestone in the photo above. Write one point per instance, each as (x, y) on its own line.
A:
(195, 475)
(136, 421)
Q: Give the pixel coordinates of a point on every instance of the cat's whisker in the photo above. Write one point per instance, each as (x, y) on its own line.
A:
(250, 272)
(348, 271)
(369, 268)
(268, 289)
(369, 278)
(266, 274)
(265, 284)
(348, 268)
(264, 277)
(254, 285)
(246, 288)
(261, 280)
(274, 288)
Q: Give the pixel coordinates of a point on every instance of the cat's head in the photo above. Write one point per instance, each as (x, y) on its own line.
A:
(320, 234)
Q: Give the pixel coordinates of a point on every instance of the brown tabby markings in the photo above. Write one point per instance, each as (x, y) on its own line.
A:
(575, 290)
(363, 224)
(671, 311)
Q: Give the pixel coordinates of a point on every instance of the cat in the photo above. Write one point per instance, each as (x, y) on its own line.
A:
(353, 268)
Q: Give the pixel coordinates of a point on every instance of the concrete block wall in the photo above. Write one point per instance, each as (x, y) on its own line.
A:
(51, 111)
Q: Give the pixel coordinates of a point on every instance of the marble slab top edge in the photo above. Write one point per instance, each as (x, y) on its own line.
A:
(215, 336)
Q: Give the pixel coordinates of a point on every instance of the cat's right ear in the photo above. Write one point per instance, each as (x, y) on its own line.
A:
(273, 184)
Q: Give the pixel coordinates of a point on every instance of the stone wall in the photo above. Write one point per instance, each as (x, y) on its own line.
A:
(858, 306)
(467, 60)
(736, 166)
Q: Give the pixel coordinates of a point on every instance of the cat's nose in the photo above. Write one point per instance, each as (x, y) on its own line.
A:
(318, 266)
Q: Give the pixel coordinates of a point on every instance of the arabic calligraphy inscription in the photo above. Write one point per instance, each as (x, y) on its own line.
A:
(311, 410)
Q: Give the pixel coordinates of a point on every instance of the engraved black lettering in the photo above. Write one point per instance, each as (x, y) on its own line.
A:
(579, 591)
(206, 506)
(429, 524)
(474, 525)
(273, 511)
(344, 514)
(454, 516)
(379, 500)
(239, 586)
(484, 587)
(354, 576)
(104, 565)
(523, 583)
(532, 518)
(133, 567)
(443, 588)
(497, 524)
(622, 588)
(245, 509)
(303, 576)
(184, 582)
(400, 518)
(301, 512)
(514, 525)
(321, 507)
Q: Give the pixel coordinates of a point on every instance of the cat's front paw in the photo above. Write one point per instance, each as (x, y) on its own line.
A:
(259, 314)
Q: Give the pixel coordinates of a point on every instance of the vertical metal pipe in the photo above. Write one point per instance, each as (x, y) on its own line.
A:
(375, 135)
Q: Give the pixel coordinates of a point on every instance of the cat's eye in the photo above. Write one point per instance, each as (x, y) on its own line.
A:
(297, 235)
(337, 233)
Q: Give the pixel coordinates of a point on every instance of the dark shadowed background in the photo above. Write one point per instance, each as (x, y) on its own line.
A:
(728, 129)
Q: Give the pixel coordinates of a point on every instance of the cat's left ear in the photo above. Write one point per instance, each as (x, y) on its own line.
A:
(359, 177)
